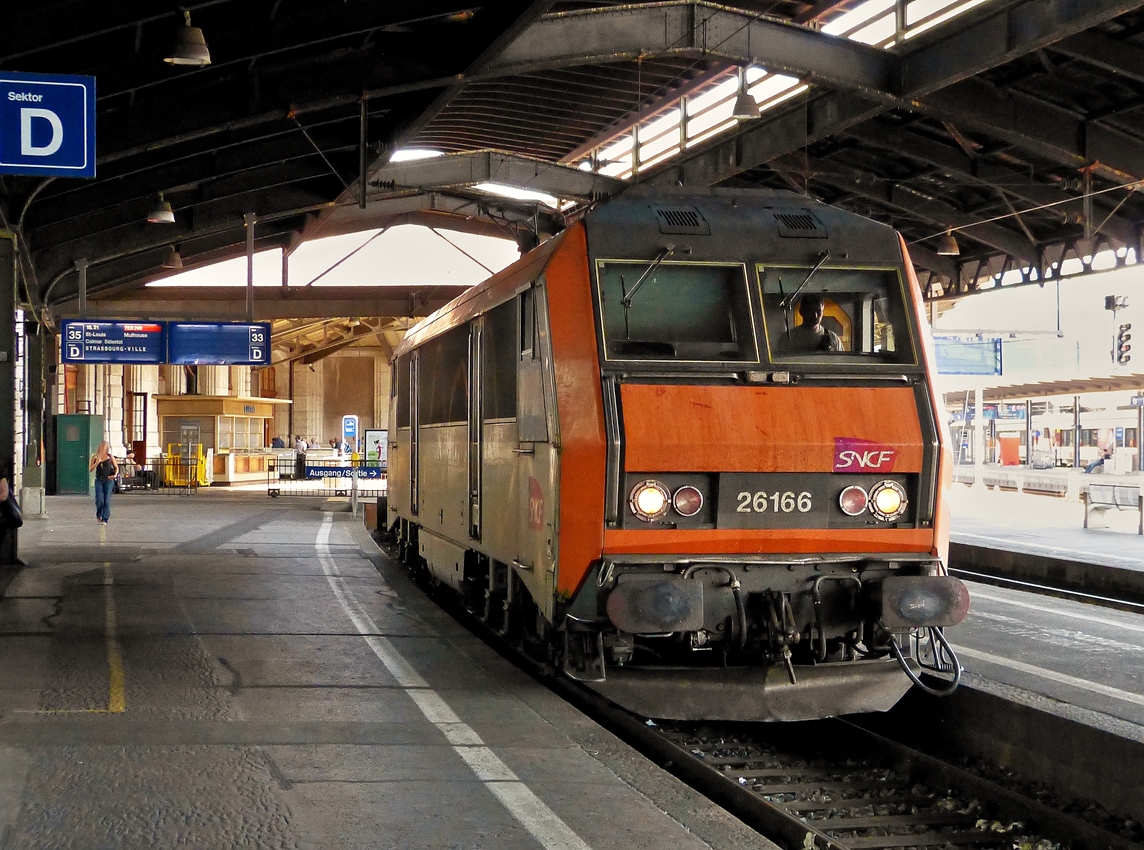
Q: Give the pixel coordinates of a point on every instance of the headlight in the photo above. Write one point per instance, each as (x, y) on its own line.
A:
(687, 501)
(888, 500)
(649, 500)
(853, 500)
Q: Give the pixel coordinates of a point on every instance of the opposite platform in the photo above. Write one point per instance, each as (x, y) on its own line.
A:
(233, 671)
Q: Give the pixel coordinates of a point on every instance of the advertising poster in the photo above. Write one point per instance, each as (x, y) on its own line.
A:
(377, 446)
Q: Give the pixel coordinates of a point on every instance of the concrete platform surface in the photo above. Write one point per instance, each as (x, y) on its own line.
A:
(1045, 525)
(231, 671)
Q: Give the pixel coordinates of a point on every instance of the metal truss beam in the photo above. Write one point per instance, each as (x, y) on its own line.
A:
(988, 175)
(692, 28)
(924, 71)
(1103, 52)
(900, 197)
(469, 169)
(1041, 128)
(270, 302)
(990, 39)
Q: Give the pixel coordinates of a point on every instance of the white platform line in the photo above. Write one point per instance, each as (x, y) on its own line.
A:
(514, 795)
(1052, 675)
(1088, 618)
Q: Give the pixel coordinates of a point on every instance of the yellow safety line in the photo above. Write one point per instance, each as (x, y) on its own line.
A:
(116, 700)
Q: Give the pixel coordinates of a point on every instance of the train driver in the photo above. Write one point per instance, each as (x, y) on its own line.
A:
(810, 336)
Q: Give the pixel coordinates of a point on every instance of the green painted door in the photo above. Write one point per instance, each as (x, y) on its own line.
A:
(78, 435)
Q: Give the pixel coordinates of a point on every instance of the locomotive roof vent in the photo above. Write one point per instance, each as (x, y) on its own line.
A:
(801, 224)
(682, 220)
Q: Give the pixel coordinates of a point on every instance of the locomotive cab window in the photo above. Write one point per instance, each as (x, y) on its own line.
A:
(835, 314)
(675, 311)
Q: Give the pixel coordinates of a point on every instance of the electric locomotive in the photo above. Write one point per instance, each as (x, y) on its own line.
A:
(690, 451)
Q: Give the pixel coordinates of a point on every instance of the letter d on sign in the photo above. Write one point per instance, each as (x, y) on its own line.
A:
(27, 148)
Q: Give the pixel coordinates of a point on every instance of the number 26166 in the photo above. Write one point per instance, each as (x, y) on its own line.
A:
(761, 502)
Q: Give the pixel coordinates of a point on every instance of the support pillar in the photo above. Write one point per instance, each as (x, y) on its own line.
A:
(978, 438)
(1029, 433)
(9, 546)
(36, 351)
(1076, 431)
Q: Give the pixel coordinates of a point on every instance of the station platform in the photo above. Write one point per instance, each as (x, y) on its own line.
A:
(1047, 525)
(227, 670)
(1075, 660)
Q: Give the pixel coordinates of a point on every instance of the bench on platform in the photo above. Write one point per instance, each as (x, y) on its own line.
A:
(1104, 497)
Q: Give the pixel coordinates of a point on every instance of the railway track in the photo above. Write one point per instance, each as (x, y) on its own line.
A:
(830, 784)
(836, 785)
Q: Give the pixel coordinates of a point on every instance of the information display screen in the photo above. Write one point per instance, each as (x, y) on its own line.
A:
(218, 343)
(112, 342)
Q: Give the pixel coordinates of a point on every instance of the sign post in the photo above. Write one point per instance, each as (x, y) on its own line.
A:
(350, 430)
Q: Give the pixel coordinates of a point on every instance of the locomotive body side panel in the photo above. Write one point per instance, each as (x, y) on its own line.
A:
(580, 409)
(441, 480)
(941, 517)
(501, 497)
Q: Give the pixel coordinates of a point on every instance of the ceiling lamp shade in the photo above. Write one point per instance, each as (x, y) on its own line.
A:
(947, 247)
(162, 213)
(173, 261)
(189, 48)
(745, 106)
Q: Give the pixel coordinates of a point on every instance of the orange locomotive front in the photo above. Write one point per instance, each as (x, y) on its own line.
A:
(690, 449)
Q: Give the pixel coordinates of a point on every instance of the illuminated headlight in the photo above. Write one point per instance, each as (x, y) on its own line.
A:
(853, 500)
(687, 501)
(910, 602)
(649, 500)
(888, 500)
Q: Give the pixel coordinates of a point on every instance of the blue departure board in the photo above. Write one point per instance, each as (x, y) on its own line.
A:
(218, 343)
(112, 342)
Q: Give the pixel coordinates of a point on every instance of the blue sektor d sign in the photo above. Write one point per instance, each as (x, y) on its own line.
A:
(47, 125)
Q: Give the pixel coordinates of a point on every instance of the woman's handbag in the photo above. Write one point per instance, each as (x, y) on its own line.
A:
(10, 512)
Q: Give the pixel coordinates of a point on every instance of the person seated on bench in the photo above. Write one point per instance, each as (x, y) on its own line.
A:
(1105, 454)
(132, 475)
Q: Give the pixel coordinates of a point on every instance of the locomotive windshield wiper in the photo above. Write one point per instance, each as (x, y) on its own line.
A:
(789, 300)
(667, 251)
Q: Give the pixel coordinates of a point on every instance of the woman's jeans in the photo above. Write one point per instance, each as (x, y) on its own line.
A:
(103, 499)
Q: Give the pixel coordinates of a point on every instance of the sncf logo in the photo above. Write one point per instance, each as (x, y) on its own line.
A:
(853, 455)
(535, 505)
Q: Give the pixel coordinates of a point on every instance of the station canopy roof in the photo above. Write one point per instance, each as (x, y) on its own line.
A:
(1015, 126)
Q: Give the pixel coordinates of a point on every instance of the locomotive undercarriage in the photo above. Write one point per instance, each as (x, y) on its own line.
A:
(775, 639)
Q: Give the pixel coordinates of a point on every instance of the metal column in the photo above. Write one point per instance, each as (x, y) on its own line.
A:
(978, 438)
(37, 351)
(1029, 433)
(9, 546)
(1140, 441)
(1076, 431)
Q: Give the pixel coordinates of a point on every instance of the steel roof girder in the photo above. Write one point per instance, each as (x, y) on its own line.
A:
(946, 267)
(469, 169)
(986, 174)
(994, 39)
(939, 212)
(1049, 131)
(1105, 53)
(764, 140)
(693, 27)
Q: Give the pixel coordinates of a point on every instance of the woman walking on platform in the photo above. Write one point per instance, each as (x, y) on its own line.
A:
(106, 470)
